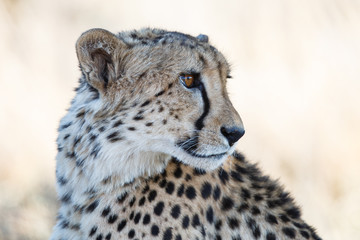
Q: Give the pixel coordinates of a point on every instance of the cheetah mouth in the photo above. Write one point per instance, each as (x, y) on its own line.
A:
(190, 147)
(216, 156)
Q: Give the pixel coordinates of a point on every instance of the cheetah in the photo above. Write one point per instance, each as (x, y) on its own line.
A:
(147, 148)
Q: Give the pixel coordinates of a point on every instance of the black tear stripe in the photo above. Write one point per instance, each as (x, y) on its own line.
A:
(199, 124)
(190, 145)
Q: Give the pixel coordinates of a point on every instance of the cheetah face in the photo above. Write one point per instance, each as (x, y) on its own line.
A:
(161, 92)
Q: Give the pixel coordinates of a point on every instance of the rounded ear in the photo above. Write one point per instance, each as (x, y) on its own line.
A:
(96, 51)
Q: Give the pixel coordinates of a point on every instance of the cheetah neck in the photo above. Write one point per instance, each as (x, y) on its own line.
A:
(87, 161)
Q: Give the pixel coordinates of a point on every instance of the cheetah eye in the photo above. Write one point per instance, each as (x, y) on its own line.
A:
(189, 80)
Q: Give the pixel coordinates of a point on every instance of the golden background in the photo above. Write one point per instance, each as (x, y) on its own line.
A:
(296, 84)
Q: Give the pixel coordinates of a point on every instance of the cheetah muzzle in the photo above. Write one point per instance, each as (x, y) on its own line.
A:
(147, 148)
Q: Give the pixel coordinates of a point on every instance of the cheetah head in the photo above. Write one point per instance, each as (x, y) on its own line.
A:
(156, 91)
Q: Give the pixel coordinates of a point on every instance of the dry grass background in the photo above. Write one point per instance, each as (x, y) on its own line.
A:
(296, 84)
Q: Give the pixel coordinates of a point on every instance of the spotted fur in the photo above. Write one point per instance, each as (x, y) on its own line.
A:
(141, 156)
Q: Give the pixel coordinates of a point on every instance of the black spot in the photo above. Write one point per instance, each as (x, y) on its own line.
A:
(237, 237)
(131, 128)
(218, 225)
(132, 215)
(62, 180)
(167, 234)
(60, 148)
(175, 211)
(195, 221)
(226, 203)
(178, 172)
(199, 172)
(99, 237)
(95, 151)
(152, 195)
(305, 234)
(93, 231)
(131, 233)
(138, 117)
(64, 224)
(236, 176)
(164, 121)
(160, 93)
(92, 206)
(121, 225)
(254, 227)
(299, 225)
(271, 203)
(121, 199)
(161, 108)
(156, 178)
(284, 198)
(116, 124)
(92, 137)
(223, 175)
(80, 114)
(112, 218)
(245, 193)
(66, 125)
(142, 201)
(206, 190)
(155, 230)
(66, 198)
(170, 188)
(146, 219)
(162, 183)
(70, 155)
(180, 191)
(270, 236)
(190, 192)
(132, 201)
(113, 135)
(76, 141)
(149, 124)
(290, 232)
(271, 219)
(255, 210)
(137, 218)
(210, 215)
(101, 129)
(293, 212)
(80, 162)
(178, 237)
(258, 197)
(188, 177)
(233, 223)
(145, 189)
(185, 222)
(108, 236)
(216, 193)
(242, 207)
(284, 218)
(158, 209)
(145, 103)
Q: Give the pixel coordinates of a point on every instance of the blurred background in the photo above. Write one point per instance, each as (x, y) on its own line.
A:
(296, 84)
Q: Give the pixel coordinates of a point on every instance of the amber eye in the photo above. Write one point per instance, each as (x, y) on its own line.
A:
(188, 80)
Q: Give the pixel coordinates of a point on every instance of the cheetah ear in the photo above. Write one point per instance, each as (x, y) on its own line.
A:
(96, 50)
(203, 38)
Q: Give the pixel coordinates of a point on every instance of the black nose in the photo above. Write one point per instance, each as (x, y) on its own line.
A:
(232, 134)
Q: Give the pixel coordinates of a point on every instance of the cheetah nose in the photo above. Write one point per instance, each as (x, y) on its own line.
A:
(232, 134)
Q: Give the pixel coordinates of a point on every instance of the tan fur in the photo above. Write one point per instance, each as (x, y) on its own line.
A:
(139, 152)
